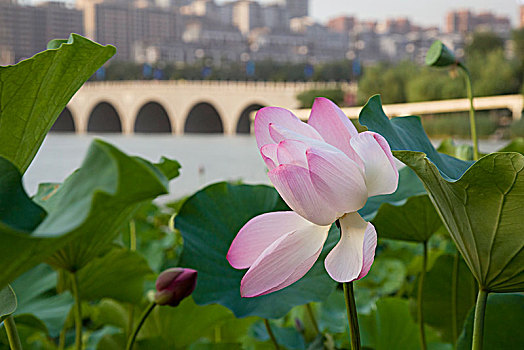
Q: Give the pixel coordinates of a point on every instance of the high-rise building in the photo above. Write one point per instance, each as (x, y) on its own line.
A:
(247, 15)
(465, 21)
(521, 19)
(25, 30)
(342, 24)
(297, 8)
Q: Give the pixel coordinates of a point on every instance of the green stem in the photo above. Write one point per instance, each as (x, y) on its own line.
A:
(478, 322)
(12, 333)
(420, 310)
(454, 296)
(271, 335)
(62, 338)
(312, 317)
(469, 87)
(143, 318)
(78, 312)
(132, 247)
(132, 235)
(352, 315)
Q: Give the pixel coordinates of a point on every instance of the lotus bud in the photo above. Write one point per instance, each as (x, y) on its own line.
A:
(440, 56)
(175, 284)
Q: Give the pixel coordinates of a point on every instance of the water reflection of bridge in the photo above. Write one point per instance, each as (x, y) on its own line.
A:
(175, 106)
(216, 106)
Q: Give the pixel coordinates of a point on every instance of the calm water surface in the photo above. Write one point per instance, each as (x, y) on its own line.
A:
(204, 159)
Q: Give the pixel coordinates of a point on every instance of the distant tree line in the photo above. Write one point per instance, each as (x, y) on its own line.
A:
(204, 70)
(492, 74)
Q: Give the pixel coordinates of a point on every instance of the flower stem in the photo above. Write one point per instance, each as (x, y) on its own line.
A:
(78, 311)
(352, 315)
(132, 247)
(423, 345)
(312, 317)
(12, 333)
(454, 296)
(271, 335)
(478, 323)
(469, 88)
(143, 318)
(132, 235)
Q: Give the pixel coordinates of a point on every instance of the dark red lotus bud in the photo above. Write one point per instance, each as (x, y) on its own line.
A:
(175, 284)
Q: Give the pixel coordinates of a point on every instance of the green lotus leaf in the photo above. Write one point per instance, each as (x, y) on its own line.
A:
(391, 327)
(416, 220)
(17, 210)
(8, 302)
(34, 92)
(437, 294)
(408, 185)
(209, 221)
(119, 274)
(181, 326)
(36, 292)
(84, 213)
(480, 204)
(502, 324)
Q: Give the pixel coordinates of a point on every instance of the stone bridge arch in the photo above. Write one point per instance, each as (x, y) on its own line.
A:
(64, 123)
(204, 117)
(104, 118)
(243, 117)
(152, 117)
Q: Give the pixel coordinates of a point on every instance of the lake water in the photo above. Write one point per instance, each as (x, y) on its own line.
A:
(205, 159)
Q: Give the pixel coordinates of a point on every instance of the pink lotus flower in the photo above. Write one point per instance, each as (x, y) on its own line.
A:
(325, 171)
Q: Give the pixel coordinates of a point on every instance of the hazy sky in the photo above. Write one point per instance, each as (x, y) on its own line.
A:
(431, 12)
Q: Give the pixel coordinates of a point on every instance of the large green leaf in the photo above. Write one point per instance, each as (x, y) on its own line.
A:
(119, 274)
(7, 302)
(16, 208)
(407, 133)
(391, 327)
(437, 294)
(502, 324)
(209, 221)
(178, 327)
(416, 220)
(35, 91)
(36, 294)
(480, 204)
(408, 185)
(83, 214)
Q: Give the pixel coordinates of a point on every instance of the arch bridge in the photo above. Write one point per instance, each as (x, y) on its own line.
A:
(176, 107)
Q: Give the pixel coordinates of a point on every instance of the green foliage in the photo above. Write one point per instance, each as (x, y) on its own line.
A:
(482, 43)
(35, 91)
(395, 78)
(307, 98)
(478, 202)
(84, 213)
(179, 327)
(437, 295)
(398, 222)
(209, 221)
(7, 302)
(502, 325)
(119, 274)
(264, 70)
(36, 292)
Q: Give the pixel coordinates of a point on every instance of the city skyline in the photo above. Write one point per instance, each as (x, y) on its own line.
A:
(427, 12)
